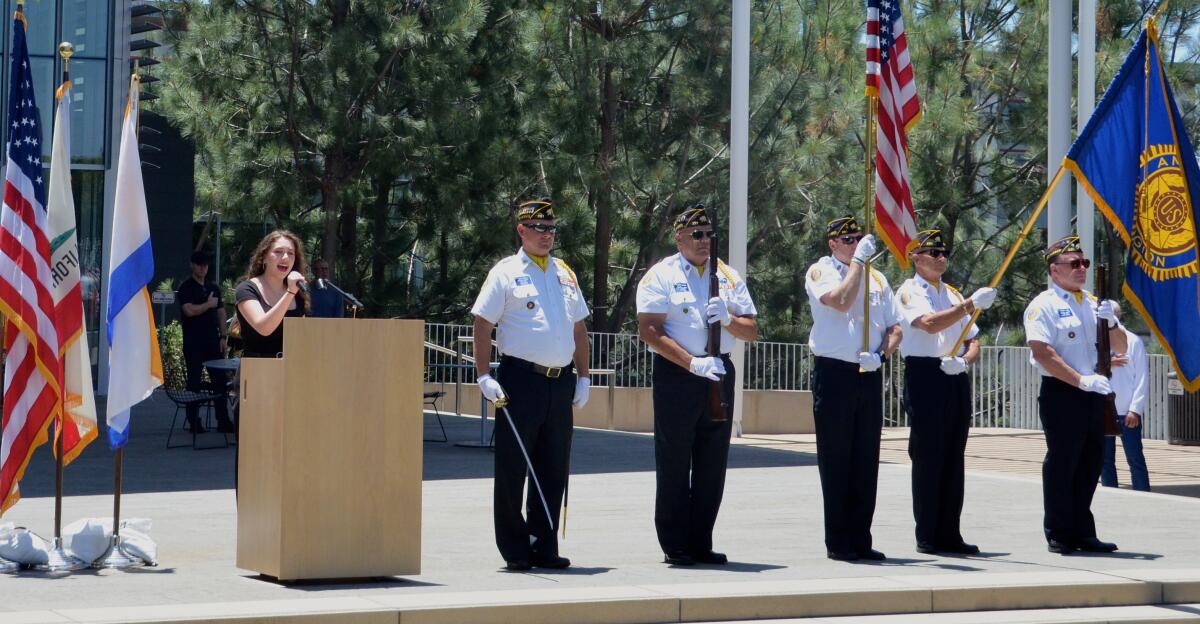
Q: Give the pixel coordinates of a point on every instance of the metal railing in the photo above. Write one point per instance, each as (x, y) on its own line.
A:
(1003, 382)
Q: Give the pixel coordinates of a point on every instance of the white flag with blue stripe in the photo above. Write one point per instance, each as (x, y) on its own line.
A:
(134, 363)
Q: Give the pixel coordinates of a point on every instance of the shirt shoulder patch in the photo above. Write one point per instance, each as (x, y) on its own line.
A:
(904, 298)
(814, 274)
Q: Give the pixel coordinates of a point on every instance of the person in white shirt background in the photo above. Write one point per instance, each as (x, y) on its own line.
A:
(1129, 382)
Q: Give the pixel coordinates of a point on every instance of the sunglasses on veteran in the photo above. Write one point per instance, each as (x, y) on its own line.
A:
(698, 235)
(935, 253)
(1078, 263)
(849, 239)
(542, 228)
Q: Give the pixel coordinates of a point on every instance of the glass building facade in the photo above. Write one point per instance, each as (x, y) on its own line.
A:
(99, 71)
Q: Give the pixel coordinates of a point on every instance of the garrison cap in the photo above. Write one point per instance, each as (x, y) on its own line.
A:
(692, 215)
(845, 224)
(1063, 245)
(927, 240)
(530, 209)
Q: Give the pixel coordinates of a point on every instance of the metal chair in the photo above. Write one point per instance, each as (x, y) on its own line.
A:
(176, 390)
(431, 399)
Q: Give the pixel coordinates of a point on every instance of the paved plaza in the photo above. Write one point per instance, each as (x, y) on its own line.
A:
(770, 523)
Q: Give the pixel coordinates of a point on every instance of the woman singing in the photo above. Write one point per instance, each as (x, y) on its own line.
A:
(270, 291)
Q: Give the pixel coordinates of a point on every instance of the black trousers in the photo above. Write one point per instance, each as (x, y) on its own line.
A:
(848, 410)
(939, 413)
(195, 382)
(690, 455)
(1071, 420)
(541, 411)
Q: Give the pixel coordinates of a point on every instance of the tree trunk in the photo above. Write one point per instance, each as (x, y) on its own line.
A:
(380, 242)
(330, 203)
(608, 149)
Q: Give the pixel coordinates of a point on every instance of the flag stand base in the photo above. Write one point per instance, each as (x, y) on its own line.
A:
(8, 566)
(59, 560)
(116, 558)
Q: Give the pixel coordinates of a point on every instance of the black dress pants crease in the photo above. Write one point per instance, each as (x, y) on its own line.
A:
(848, 410)
(541, 411)
(1071, 420)
(194, 361)
(691, 452)
(939, 413)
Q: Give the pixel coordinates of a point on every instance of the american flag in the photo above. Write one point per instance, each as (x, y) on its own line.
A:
(890, 78)
(32, 367)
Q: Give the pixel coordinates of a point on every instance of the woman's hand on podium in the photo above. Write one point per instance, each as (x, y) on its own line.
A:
(490, 388)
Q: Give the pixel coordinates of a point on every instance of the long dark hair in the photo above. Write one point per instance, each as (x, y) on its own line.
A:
(258, 261)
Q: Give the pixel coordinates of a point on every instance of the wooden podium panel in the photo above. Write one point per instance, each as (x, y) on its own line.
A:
(330, 458)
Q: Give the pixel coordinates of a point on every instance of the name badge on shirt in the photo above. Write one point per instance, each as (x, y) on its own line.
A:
(1065, 312)
(523, 287)
(682, 294)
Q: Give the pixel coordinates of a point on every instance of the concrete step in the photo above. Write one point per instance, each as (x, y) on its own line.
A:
(1117, 596)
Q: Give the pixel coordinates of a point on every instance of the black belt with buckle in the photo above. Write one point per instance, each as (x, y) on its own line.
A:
(552, 372)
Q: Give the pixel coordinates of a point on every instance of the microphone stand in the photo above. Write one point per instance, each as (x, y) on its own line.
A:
(355, 304)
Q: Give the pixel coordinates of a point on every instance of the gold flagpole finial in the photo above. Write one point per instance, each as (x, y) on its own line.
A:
(66, 51)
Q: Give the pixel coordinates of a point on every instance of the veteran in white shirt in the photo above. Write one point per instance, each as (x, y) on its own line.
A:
(848, 384)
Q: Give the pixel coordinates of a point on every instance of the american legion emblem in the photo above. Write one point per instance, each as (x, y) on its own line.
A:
(1164, 238)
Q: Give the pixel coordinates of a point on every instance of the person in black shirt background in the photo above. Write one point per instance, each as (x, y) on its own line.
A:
(203, 326)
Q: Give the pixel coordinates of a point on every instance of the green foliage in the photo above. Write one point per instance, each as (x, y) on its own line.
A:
(170, 346)
(394, 135)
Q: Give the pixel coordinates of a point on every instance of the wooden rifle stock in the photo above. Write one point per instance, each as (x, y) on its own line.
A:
(1104, 356)
(718, 403)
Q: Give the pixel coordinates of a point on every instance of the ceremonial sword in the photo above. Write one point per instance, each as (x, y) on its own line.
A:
(502, 404)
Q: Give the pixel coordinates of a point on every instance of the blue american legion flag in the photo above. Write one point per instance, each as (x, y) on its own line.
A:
(32, 375)
(1136, 162)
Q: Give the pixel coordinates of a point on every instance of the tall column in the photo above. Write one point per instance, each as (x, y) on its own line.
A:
(1058, 131)
(1086, 103)
(739, 167)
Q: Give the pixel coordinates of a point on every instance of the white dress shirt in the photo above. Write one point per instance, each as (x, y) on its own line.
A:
(836, 334)
(1130, 381)
(674, 287)
(1068, 323)
(917, 298)
(535, 311)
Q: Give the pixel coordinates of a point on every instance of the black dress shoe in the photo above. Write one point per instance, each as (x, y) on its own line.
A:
(678, 559)
(842, 556)
(871, 554)
(553, 563)
(1094, 545)
(1061, 548)
(926, 548)
(710, 557)
(225, 426)
(961, 548)
(517, 565)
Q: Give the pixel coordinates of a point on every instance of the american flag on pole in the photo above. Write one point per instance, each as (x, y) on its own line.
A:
(890, 78)
(32, 372)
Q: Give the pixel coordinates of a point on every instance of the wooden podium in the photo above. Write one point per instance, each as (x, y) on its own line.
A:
(330, 457)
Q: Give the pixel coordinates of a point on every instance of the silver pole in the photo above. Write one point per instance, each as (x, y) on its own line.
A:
(1058, 131)
(739, 167)
(1086, 103)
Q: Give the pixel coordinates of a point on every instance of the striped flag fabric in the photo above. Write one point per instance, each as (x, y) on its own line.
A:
(890, 78)
(32, 370)
(79, 402)
(134, 363)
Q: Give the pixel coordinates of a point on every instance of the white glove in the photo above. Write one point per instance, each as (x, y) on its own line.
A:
(1106, 312)
(491, 388)
(865, 249)
(869, 362)
(1095, 383)
(709, 367)
(984, 298)
(953, 365)
(582, 388)
(718, 310)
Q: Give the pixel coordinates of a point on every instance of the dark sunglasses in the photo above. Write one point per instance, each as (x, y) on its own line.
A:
(543, 228)
(702, 234)
(1076, 263)
(936, 253)
(850, 240)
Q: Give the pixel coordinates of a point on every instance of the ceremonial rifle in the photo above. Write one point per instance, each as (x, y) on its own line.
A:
(1104, 356)
(718, 402)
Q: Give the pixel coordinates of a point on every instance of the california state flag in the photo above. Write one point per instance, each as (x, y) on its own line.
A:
(79, 403)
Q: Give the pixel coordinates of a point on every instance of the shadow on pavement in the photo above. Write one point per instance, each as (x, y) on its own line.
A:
(151, 467)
